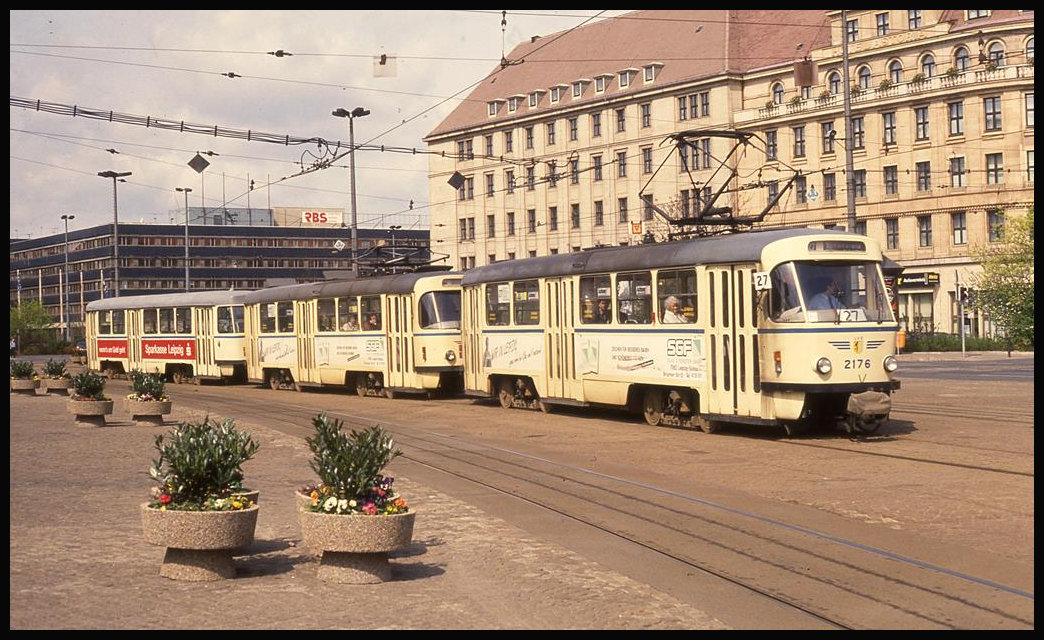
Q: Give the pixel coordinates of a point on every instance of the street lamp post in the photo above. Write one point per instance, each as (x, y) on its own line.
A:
(357, 112)
(115, 226)
(65, 290)
(187, 191)
(391, 249)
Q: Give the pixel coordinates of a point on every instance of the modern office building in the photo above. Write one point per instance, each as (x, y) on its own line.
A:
(617, 132)
(225, 253)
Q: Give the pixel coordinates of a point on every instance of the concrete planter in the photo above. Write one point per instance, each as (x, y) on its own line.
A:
(58, 386)
(90, 412)
(199, 543)
(147, 412)
(355, 548)
(24, 387)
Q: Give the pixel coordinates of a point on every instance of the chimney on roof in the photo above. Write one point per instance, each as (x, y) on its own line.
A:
(534, 39)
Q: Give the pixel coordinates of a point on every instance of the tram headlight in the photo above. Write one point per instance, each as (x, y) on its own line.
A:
(891, 364)
(823, 365)
(451, 356)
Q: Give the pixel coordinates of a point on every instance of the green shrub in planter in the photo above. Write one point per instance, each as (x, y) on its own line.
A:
(89, 386)
(22, 370)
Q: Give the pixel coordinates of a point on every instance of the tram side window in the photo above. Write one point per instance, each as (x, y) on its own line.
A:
(183, 320)
(527, 302)
(371, 311)
(677, 286)
(230, 319)
(634, 298)
(104, 322)
(268, 317)
(285, 323)
(498, 304)
(118, 326)
(596, 300)
(166, 320)
(348, 314)
(149, 321)
(784, 305)
(326, 310)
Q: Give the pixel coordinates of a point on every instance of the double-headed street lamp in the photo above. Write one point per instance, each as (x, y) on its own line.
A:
(65, 289)
(357, 112)
(115, 225)
(187, 191)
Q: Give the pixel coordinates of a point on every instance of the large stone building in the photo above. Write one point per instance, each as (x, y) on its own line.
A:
(556, 150)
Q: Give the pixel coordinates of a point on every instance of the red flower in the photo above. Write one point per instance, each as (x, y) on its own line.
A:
(164, 498)
(369, 509)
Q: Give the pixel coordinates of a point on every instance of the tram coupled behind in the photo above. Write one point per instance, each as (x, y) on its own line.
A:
(377, 336)
(190, 336)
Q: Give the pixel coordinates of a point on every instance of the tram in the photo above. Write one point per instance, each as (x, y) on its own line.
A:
(378, 336)
(698, 333)
(190, 336)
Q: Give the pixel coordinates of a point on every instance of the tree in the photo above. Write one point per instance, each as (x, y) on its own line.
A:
(1005, 288)
(29, 316)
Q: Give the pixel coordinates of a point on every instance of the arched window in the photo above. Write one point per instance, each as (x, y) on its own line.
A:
(1029, 51)
(928, 65)
(895, 72)
(777, 93)
(834, 83)
(961, 59)
(864, 77)
(996, 53)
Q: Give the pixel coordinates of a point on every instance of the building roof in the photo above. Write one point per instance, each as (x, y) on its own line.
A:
(690, 44)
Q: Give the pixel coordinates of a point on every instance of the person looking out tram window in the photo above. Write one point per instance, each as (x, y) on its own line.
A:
(827, 296)
(602, 313)
(672, 313)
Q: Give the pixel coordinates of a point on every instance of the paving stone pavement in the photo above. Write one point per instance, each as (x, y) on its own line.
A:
(79, 559)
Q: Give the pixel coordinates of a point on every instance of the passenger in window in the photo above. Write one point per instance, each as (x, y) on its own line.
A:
(373, 322)
(672, 311)
(602, 313)
(827, 298)
(351, 325)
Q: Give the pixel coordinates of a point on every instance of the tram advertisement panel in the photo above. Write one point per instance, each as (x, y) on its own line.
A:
(168, 349)
(658, 355)
(523, 351)
(108, 348)
(277, 350)
(350, 352)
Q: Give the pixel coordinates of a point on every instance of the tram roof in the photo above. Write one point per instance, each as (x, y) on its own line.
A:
(736, 247)
(184, 299)
(398, 283)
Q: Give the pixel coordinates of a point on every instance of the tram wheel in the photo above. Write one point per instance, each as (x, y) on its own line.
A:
(360, 385)
(652, 406)
(506, 393)
(275, 381)
(178, 376)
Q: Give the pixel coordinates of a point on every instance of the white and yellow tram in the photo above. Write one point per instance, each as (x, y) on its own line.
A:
(187, 336)
(699, 333)
(378, 336)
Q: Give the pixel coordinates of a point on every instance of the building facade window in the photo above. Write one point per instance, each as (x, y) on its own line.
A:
(961, 59)
(994, 168)
(489, 146)
(956, 118)
(511, 223)
(992, 109)
(509, 180)
(596, 125)
(859, 183)
(529, 137)
(891, 180)
(863, 76)
(646, 110)
(621, 164)
(531, 223)
(895, 72)
(1028, 109)
(801, 190)
(882, 24)
(892, 233)
(924, 231)
(799, 141)
(621, 121)
(913, 18)
(924, 176)
(829, 187)
(552, 218)
(574, 126)
(489, 185)
(550, 133)
(834, 83)
(959, 222)
(921, 123)
(647, 163)
(828, 134)
(858, 133)
(957, 172)
(596, 163)
(771, 145)
(888, 125)
(491, 226)
(574, 215)
(530, 178)
(599, 214)
(995, 225)
(852, 30)
(509, 145)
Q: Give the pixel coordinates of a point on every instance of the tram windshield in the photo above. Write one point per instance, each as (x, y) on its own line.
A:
(440, 310)
(829, 292)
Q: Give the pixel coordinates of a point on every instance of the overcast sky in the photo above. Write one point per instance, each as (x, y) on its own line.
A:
(173, 65)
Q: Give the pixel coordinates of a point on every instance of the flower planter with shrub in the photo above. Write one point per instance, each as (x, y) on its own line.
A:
(148, 403)
(199, 511)
(353, 516)
(89, 403)
(56, 379)
(24, 379)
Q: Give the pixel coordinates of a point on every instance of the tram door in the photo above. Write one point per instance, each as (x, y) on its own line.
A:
(732, 336)
(559, 362)
(204, 331)
(399, 322)
(304, 336)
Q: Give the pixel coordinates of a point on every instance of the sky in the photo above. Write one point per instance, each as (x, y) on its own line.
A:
(217, 69)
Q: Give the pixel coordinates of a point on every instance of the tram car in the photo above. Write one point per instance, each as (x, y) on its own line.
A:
(190, 336)
(782, 328)
(378, 336)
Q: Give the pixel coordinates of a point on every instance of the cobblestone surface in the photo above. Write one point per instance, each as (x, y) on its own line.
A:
(79, 559)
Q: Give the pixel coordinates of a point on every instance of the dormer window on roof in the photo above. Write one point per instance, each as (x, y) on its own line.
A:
(652, 70)
(494, 107)
(602, 81)
(625, 77)
(513, 103)
(557, 92)
(578, 87)
(534, 98)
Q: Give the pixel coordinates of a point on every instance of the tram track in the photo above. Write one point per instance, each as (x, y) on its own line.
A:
(826, 575)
